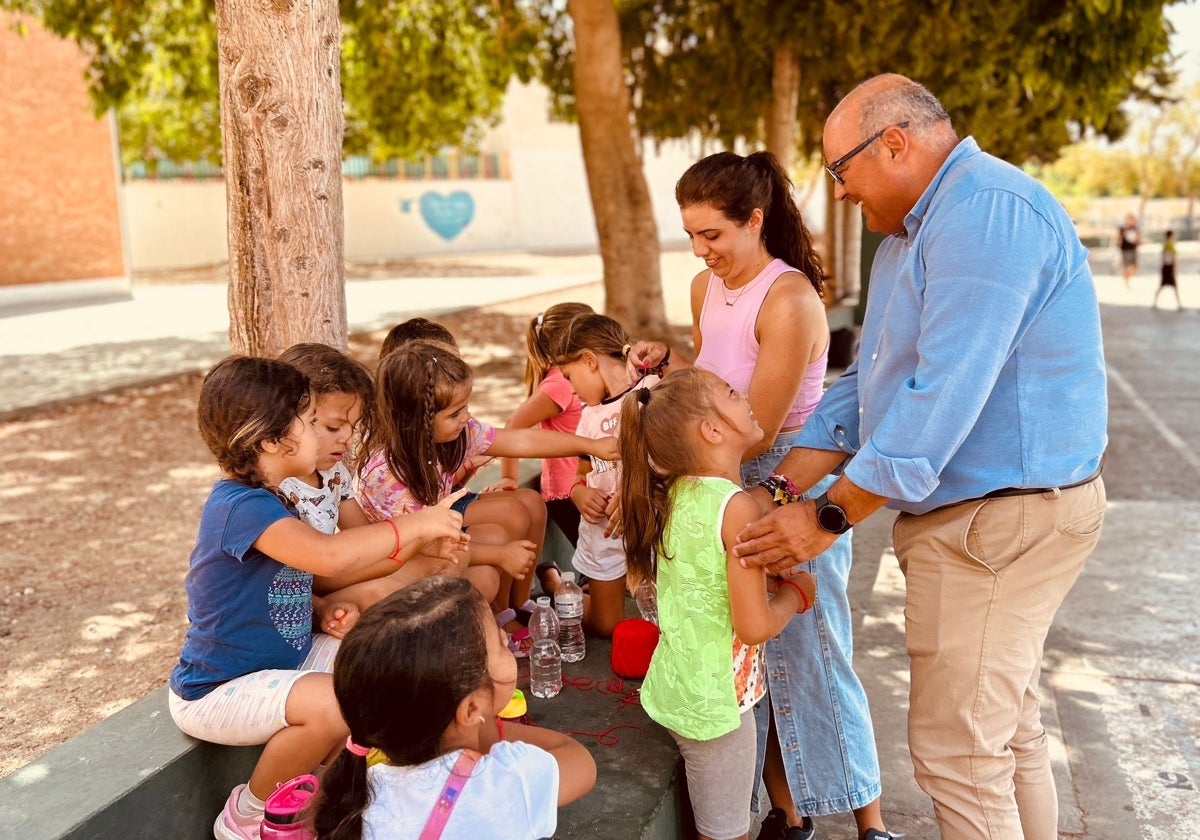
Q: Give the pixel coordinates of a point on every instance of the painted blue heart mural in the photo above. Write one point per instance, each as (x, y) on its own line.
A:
(447, 215)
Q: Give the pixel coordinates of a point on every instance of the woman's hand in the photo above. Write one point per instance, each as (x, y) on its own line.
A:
(644, 356)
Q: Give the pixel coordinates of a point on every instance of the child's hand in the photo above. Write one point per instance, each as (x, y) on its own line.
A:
(591, 502)
(439, 521)
(517, 558)
(613, 512)
(605, 448)
(505, 483)
(802, 579)
(447, 549)
(336, 619)
(471, 466)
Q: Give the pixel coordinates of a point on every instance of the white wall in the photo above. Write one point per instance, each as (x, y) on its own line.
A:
(545, 205)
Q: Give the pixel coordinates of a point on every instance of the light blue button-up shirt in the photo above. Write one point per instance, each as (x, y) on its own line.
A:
(980, 364)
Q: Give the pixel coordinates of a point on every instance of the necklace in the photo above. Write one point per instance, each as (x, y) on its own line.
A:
(730, 301)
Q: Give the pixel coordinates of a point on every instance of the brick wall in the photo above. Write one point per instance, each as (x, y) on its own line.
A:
(59, 214)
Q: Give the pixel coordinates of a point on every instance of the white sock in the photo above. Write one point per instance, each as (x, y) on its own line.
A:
(248, 804)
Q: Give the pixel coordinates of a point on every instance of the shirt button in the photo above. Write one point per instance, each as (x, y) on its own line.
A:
(874, 356)
(860, 411)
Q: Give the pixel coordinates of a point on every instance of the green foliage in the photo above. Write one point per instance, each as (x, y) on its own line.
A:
(416, 74)
(1025, 78)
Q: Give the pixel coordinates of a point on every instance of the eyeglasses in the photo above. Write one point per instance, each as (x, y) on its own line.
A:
(841, 162)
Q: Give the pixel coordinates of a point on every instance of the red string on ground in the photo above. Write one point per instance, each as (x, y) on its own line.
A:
(605, 738)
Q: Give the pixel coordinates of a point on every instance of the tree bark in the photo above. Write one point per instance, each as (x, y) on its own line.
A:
(281, 129)
(833, 250)
(620, 198)
(785, 98)
(851, 263)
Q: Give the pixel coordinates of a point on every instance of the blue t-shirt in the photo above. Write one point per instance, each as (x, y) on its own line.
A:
(248, 612)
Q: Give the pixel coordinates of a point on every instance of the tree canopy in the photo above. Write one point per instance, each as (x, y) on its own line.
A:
(1026, 78)
(417, 74)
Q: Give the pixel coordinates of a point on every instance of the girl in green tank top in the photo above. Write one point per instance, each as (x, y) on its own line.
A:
(682, 443)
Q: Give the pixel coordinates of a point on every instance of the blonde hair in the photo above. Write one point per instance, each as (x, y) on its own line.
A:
(542, 339)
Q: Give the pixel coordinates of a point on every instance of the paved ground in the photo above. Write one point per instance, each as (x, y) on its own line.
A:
(1122, 664)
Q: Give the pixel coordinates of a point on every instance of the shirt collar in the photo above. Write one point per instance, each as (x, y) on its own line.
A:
(912, 222)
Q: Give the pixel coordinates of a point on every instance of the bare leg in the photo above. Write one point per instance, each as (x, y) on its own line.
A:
(315, 730)
(604, 606)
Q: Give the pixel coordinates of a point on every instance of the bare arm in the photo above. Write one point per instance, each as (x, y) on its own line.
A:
(542, 443)
(529, 414)
(576, 767)
(756, 618)
(792, 332)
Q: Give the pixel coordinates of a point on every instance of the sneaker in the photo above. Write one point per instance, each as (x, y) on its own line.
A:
(231, 825)
(775, 827)
(876, 834)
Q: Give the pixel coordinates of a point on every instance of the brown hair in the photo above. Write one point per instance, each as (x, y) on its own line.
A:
(399, 677)
(330, 371)
(415, 329)
(245, 402)
(598, 333)
(657, 440)
(542, 338)
(413, 383)
(735, 185)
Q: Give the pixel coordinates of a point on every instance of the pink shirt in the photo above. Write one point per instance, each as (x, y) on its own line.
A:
(730, 350)
(382, 495)
(558, 474)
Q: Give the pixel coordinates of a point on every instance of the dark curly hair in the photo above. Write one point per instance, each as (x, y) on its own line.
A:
(244, 402)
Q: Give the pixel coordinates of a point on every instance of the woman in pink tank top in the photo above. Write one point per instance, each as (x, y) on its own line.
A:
(758, 321)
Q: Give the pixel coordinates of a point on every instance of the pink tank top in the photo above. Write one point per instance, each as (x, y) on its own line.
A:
(730, 350)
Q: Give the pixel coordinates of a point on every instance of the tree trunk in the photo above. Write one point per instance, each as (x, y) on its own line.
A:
(851, 262)
(833, 250)
(785, 98)
(281, 129)
(620, 197)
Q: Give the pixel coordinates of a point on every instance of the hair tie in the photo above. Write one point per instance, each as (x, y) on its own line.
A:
(541, 318)
(643, 396)
(625, 351)
(355, 749)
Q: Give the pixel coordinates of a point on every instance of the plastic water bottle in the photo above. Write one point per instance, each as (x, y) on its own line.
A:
(568, 603)
(646, 598)
(545, 658)
(284, 810)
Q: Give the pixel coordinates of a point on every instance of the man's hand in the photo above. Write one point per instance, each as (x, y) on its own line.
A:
(785, 537)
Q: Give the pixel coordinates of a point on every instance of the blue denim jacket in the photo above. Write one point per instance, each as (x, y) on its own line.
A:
(980, 365)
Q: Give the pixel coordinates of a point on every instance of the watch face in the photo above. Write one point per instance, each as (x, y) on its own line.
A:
(832, 518)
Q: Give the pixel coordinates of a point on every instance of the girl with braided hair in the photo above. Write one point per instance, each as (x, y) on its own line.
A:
(423, 432)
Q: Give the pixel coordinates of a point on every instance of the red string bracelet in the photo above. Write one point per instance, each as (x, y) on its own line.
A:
(805, 604)
(500, 726)
(395, 555)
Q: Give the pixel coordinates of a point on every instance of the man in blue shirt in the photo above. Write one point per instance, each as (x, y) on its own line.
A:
(977, 408)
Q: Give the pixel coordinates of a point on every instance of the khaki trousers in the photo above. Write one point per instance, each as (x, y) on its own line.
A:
(983, 582)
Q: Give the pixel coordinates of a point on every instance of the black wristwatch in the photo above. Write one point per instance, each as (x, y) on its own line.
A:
(830, 516)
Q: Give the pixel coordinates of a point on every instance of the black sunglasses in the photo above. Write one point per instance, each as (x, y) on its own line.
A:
(841, 162)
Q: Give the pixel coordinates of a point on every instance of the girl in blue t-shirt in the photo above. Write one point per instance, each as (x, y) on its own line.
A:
(421, 680)
(252, 671)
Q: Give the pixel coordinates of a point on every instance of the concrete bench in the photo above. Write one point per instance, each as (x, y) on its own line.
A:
(136, 775)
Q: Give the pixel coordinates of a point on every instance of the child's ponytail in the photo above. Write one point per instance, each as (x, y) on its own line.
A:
(343, 798)
(645, 494)
(542, 339)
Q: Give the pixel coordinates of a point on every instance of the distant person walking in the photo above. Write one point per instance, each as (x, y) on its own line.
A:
(1168, 270)
(1128, 240)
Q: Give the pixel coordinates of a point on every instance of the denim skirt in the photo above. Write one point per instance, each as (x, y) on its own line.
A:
(819, 705)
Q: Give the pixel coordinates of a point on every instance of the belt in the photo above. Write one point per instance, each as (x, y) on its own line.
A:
(1005, 492)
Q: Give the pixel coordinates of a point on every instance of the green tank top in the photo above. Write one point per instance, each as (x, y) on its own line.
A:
(689, 687)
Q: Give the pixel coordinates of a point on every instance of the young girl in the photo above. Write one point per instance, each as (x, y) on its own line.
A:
(551, 404)
(420, 681)
(343, 394)
(252, 671)
(681, 447)
(424, 432)
(592, 356)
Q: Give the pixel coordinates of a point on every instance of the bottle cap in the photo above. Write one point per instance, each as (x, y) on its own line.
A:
(543, 601)
(567, 577)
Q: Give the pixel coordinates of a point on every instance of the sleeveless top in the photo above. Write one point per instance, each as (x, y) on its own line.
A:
(730, 350)
(692, 686)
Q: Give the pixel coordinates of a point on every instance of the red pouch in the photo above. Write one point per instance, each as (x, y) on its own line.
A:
(633, 643)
